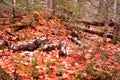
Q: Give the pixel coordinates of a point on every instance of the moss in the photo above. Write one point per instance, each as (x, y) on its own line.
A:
(114, 41)
(101, 76)
(4, 75)
(48, 70)
(59, 73)
(79, 75)
(90, 70)
(61, 79)
(34, 73)
(113, 70)
(49, 63)
(33, 63)
(22, 39)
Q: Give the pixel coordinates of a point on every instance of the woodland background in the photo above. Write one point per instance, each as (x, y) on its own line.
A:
(59, 39)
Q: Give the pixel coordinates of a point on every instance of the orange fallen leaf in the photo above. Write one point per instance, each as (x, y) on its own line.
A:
(88, 56)
(97, 56)
(106, 46)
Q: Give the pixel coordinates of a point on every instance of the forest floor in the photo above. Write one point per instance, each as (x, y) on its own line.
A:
(92, 60)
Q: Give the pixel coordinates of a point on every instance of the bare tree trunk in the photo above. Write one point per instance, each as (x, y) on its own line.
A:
(53, 6)
(14, 6)
(106, 28)
(75, 1)
(116, 33)
(28, 5)
(48, 3)
(115, 9)
(100, 4)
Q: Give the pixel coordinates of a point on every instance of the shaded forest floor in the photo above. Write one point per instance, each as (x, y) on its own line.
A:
(89, 61)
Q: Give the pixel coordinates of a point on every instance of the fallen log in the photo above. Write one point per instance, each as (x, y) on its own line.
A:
(30, 46)
(76, 41)
(42, 44)
(95, 23)
(98, 33)
(63, 48)
(76, 33)
(49, 46)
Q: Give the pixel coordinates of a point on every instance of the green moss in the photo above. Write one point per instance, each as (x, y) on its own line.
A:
(79, 75)
(114, 41)
(109, 78)
(4, 75)
(113, 70)
(49, 63)
(93, 53)
(59, 73)
(34, 73)
(90, 70)
(61, 79)
(33, 63)
(118, 58)
(101, 76)
(48, 70)
(22, 39)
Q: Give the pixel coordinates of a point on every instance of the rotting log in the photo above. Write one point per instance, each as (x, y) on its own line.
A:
(98, 33)
(30, 46)
(76, 41)
(42, 43)
(75, 33)
(96, 23)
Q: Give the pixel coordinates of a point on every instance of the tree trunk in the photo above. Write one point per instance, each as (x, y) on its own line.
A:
(75, 1)
(106, 28)
(115, 9)
(53, 6)
(49, 3)
(100, 4)
(14, 6)
(116, 33)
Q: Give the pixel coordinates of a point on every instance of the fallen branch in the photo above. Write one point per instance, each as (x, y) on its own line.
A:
(96, 32)
(9, 33)
(63, 48)
(18, 26)
(75, 40)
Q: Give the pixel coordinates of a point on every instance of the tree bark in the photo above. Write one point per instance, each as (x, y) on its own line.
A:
(100, 4)
(106, 28)
(75, 1)
(49, 3)
(53, 6)
(116, 33)
(115, 9)
(14, 6)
